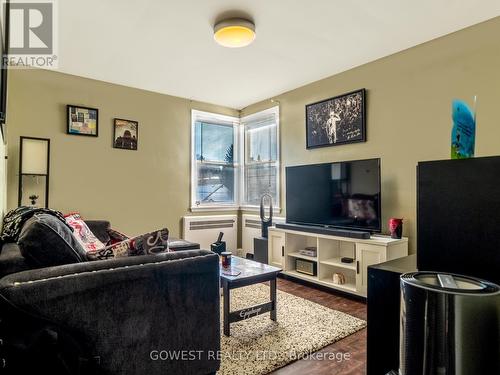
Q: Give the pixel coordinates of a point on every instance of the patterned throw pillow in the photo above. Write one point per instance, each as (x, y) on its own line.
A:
(83, 234)
(149, 243)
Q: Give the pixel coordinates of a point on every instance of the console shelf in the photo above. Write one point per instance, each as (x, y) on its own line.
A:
(338, 263)
(302, 276)
(302, 256)
(284, 246)
(348, 287)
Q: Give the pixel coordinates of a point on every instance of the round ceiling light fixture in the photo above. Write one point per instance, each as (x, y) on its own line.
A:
(234, 32)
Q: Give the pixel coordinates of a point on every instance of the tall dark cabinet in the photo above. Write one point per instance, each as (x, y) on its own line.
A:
(458, 217)
(458, 231)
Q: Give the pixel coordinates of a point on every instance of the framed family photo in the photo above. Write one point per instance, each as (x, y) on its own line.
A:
(125, 135)
(82, 121)
(335, 121)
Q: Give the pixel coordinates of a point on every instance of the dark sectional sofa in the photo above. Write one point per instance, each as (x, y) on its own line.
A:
(133, 313)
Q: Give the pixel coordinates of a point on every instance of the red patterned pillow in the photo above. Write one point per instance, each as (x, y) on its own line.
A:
(115, 237)
(83, 234)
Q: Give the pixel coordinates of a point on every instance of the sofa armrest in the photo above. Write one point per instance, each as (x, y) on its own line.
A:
(176, 244)
(126, 308)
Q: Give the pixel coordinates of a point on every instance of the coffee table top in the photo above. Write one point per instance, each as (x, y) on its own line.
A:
(248, 269)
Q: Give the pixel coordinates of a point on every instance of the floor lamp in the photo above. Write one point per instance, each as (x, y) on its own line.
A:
(34, 157)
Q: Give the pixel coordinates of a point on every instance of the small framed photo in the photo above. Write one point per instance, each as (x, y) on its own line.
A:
(125, 135)
(83, 121)
(335, 121)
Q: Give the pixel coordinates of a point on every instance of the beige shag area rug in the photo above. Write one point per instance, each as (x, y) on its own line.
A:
(258, 345)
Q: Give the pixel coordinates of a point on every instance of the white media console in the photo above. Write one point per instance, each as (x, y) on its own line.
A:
(284, 246)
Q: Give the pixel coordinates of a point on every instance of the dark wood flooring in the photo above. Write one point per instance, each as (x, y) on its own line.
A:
(354, 344)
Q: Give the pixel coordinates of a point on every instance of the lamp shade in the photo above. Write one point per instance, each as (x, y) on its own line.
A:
(34, 156)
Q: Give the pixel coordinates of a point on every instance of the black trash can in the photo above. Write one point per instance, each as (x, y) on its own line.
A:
(449, 325)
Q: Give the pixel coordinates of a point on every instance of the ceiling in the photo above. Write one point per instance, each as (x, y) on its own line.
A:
(167, 46)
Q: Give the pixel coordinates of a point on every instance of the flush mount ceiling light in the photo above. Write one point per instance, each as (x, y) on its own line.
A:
(234, 32)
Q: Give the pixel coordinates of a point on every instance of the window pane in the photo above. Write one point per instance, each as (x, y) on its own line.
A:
(214, 142)
(261, 143)
(260, 178)
(197, 140)
(215, 183)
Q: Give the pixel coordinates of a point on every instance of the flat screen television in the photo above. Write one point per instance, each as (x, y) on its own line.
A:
(343, 195)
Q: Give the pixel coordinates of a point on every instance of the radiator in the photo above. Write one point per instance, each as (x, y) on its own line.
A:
(205, 229)
(251, 228)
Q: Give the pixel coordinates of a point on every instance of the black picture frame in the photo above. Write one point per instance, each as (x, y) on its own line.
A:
(4, 53)
(352, 125)
(126, 143)
(70, 121)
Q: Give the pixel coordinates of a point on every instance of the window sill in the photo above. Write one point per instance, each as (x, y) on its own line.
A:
(214, 208)
(276, 210)
(257, 209)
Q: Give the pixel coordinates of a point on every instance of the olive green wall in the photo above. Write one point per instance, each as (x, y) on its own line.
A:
(409, 98)
(136, 190)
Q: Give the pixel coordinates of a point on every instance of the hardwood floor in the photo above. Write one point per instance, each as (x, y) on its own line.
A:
(355, 344)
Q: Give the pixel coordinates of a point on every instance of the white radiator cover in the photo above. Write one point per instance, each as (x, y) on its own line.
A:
(251, 228)
(205, 230)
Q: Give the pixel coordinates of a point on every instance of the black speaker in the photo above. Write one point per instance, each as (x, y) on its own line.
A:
(383, 309)
(449, 325)
(260, 249)
(458, 217)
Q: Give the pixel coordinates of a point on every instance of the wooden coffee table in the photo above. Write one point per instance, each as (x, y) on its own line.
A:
(251, 272)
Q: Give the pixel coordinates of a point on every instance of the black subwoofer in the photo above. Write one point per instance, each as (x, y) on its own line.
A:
(449, 325)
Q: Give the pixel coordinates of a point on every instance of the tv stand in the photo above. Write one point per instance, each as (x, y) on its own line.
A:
(284, 245)
(326, 230)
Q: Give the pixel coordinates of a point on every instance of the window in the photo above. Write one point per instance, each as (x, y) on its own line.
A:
(261, 171)
(215, 151)
(214, 167)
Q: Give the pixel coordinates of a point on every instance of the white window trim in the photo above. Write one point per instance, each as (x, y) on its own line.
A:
(276, 111)
(253, 208)
(239, 145)
(215, 208)
(197, 115)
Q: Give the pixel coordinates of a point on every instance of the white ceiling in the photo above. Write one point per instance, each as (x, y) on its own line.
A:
(167, 46)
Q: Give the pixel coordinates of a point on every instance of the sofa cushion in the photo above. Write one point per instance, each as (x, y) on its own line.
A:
(101, 229)
(11, 260)
(14, 220)
(46, 241)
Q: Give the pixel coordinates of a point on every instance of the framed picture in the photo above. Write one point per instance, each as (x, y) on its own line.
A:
(82, 121)
(125, 134)
(335, 121)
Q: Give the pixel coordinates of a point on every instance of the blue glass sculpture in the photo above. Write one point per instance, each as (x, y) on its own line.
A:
(463, 134)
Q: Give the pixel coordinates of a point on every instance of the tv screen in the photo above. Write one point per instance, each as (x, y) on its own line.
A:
(339, 195)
